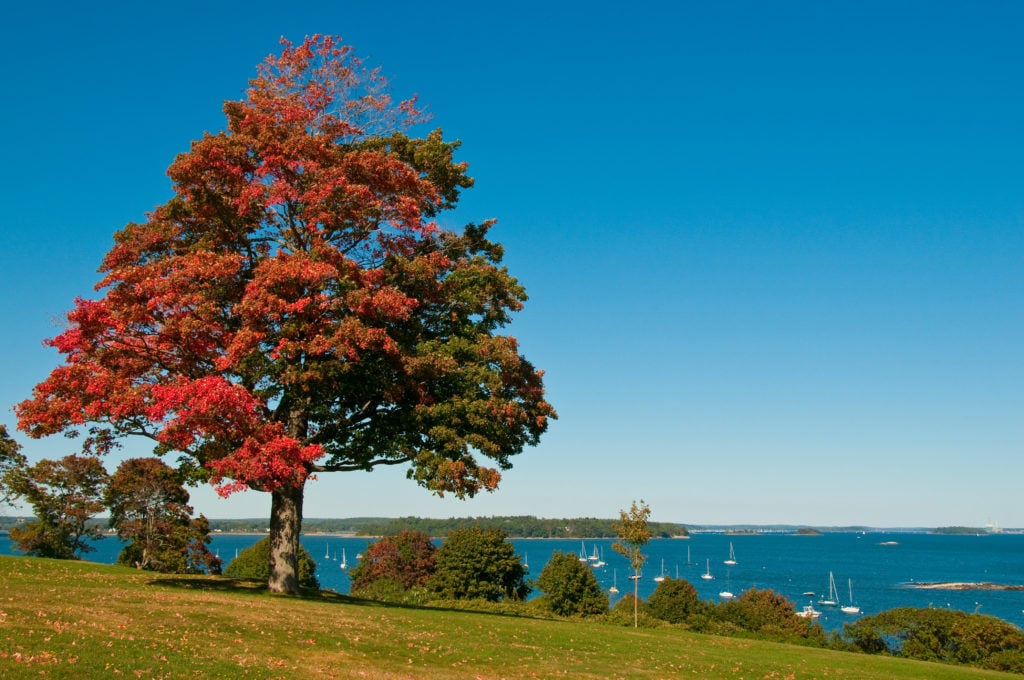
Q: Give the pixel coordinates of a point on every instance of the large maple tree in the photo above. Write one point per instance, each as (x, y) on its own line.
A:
(294, 308)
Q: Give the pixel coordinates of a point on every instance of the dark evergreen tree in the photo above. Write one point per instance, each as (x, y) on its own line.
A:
(570, 588)
(478, 564)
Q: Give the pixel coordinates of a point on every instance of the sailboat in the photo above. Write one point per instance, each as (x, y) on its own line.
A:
(689, 562)
(526, 560)
(659, 579)
(344, 562)
(583, 552)
(615, 581)
(707, 575)
(327, 555)
(726, 595)
(850, 608)
(595, 559)
(833, 593)
(732, 556)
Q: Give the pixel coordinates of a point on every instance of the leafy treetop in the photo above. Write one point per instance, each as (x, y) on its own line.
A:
(295, 308)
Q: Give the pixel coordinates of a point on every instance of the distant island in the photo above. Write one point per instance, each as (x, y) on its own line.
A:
(956, 585)
(518, 526)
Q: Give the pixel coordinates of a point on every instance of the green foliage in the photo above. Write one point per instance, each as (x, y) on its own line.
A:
(570, 588)
(478, 563)
(634, 534)
(631, 611)
(769, 614)
(941, 635)
(11, 459)
(403, 561)
(254, 563)
(522, 526)
(64, 494)
(149, 509)
(675, 601)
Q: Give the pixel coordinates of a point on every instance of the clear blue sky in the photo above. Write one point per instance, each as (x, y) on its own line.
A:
(775, 250)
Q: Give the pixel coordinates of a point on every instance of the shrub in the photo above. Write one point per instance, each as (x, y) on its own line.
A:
(254, 563)
(623, 613)
(768, 613)
(570, 588)
(941, 635)
(405, 560)
(478, 564)
(675, 601)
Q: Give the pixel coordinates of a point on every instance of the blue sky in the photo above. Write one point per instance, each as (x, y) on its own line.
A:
(775, 251)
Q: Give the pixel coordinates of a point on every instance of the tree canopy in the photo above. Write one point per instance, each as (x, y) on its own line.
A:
(64, 494)
(406, 559)
(295, 309)
(570, 587)
(149, 509)
(11, 459)
(478, 564)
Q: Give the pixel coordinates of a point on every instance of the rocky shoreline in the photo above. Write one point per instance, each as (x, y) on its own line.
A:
(956, 585)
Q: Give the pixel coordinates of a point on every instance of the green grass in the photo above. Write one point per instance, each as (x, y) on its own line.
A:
(79, 620)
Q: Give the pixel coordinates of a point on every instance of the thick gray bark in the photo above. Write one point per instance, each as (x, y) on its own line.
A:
(285, 527)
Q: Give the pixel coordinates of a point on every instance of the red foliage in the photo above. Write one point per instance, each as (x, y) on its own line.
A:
(295, 308)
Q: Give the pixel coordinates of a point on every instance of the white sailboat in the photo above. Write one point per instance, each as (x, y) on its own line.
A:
(615, 581)
(833, 593)
(659, 579)
(707, 575)
(726, 595)
(732, 556)
(344, 562)
(583, 553)
(327, 555)
(850, 608)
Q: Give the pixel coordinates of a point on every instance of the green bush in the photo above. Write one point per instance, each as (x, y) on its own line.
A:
(254, 563)
(675, 601)
(770, 615)
(622, 613)
(570, 588)
(478, 564)
(940, 635)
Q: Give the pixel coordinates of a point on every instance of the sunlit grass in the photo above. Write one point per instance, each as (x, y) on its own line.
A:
(84, 620)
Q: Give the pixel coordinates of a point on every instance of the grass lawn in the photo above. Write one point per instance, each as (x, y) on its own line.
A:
(61, 619)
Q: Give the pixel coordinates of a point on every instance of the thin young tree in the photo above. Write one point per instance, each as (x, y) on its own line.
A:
(295, 308)
(633, 536)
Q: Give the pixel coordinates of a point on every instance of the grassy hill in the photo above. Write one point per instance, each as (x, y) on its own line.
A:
(62, 619)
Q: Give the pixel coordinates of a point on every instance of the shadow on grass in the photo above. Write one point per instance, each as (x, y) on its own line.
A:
(225, 584)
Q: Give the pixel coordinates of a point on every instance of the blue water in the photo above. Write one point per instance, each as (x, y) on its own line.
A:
(787, 564)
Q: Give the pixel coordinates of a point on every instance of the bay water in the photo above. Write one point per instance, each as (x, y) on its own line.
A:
(880, 568)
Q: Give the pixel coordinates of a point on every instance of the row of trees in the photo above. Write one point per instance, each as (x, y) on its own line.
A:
(145, 498)
(519, 526)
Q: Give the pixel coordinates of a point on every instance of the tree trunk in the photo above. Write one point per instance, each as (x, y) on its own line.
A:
(285, 527)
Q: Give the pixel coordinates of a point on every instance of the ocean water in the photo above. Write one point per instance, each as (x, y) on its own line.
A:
(881, 575)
